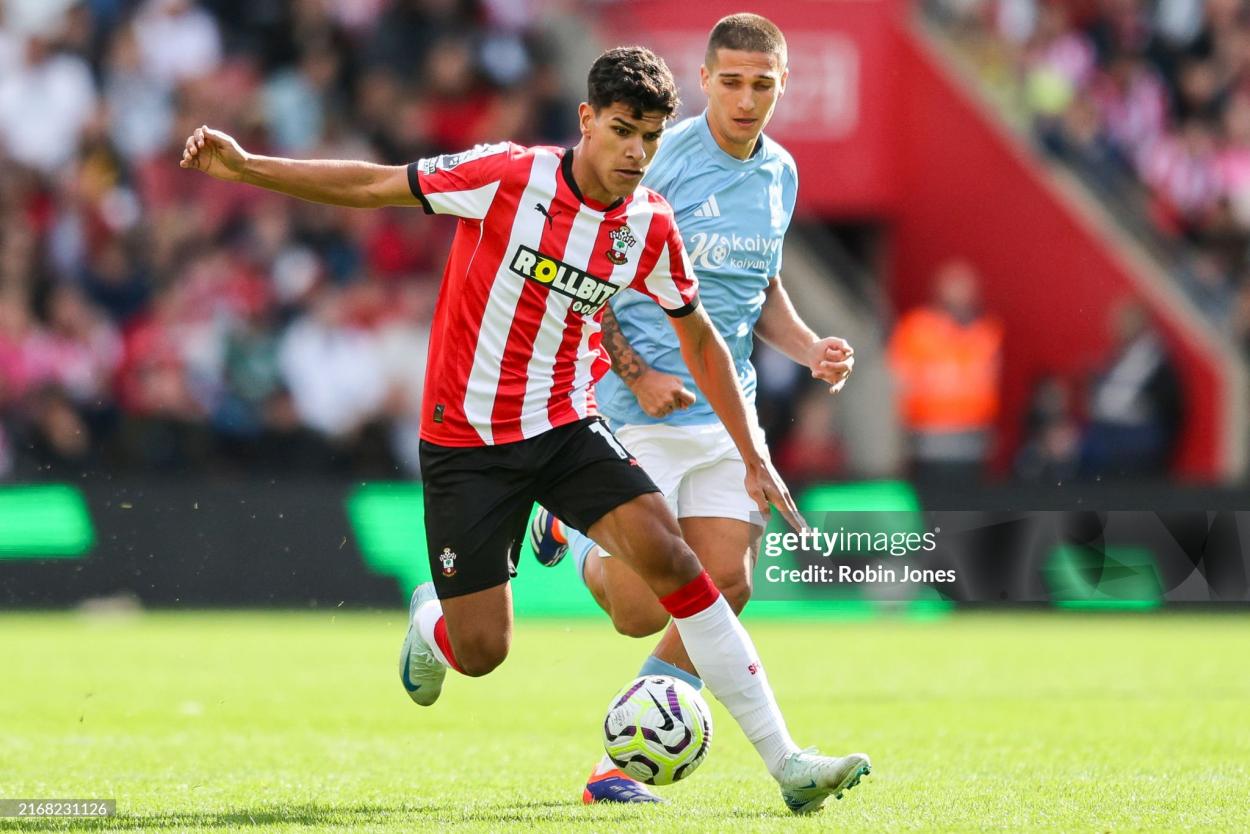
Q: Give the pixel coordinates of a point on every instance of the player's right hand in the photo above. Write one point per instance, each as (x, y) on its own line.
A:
(215, 153)
(661, 394)
(766, 488)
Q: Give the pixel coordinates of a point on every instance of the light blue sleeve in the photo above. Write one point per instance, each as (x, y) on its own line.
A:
(789, 196)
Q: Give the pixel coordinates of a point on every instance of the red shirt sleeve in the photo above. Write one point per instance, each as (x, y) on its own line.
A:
(462, 184)
(671, 282)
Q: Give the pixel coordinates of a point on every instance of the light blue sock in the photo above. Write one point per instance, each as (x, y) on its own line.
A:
(580, 546)
(654, 666)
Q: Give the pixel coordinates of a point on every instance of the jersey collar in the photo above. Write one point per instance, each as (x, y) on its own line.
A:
(566, 168)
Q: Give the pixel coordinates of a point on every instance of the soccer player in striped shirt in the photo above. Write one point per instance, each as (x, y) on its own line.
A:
(733, 191)
(546, 237)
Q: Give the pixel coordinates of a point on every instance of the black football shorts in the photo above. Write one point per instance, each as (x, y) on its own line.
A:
(478, 499)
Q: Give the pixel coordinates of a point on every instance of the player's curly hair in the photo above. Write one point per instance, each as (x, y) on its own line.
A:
(633, 76)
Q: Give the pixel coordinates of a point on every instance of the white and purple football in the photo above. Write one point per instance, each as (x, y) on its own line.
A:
(658, 729)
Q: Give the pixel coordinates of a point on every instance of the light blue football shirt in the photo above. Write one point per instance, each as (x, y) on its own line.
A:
(732, 214)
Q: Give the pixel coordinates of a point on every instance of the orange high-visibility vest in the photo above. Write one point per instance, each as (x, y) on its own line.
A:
(948, 373)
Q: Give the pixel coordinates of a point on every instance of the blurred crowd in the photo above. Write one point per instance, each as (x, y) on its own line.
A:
(155, 319)
(1149, 102)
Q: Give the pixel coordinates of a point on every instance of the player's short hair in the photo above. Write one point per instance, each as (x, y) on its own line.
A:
(633, 76)
(746, 32)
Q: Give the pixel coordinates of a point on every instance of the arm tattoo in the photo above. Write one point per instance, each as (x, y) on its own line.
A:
(629, 366)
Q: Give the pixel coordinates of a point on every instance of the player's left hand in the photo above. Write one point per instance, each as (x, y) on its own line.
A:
(831, 360)
(660, 394)
(765, 487)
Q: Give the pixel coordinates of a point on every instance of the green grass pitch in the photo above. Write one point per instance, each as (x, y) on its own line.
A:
(296, 721)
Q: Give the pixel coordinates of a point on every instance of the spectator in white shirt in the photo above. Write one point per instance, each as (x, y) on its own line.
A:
(332, 369)
(178, 40)
(45, 104)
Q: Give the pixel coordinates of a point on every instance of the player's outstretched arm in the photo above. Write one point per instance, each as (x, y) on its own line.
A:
(659, 394)
(712, 367)
(336, 182)
(830, 359)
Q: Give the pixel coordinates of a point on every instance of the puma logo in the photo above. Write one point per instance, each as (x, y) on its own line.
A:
(541, 209)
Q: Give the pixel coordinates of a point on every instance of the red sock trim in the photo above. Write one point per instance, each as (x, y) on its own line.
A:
(444, 645)
(696, 595)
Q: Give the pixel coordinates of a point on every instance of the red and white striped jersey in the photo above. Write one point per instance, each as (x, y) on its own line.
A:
(515, 348)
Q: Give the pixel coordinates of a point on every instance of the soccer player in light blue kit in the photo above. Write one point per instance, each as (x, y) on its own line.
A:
(733, 192)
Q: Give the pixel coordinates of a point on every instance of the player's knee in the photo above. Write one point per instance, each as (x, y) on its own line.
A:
(639, 622)
(659, 553)
(482, 655)
(476, 664)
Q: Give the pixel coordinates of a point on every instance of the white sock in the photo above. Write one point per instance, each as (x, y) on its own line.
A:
(426, 618)
(605, 764)
(723, 653)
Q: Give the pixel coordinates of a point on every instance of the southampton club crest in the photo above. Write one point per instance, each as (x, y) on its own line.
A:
(448, 558)
(622, 239)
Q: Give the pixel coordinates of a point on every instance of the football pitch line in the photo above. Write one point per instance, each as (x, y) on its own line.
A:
(274, 721)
